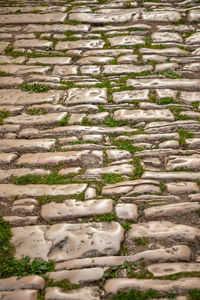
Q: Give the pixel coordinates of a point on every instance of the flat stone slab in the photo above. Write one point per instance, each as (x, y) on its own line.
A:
(7, 174)
(193, 15)
(171, 175)
(182, 187)
(185, 84)
(35, 18)
(25, 119)
(73, 209)
(31, 190)
(165, 269)
(80, 44)
(3, 46)
(84, 158)
(17, 97)
(163, 37)
(61, 28)
(91, 293)
(18, 145)
(19, 294)
(6, 158)
(175, 162)
(126, 40)
(134, 116)
(88, 96)
(10, 81)
(170, 210)
(23, 69)
(101, 18)
(125, 69)
(182, 284)
(163, 230)
(50, 60)
(175, 253)
(161, 16)
(32, 43)
(32, 282)
(129, 96)
(67, 241)
(124, 169)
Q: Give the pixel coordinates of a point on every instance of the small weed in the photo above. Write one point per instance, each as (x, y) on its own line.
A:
(180, 21)
(39, 111)
(2, 73)
(137, 295)
(124, 145)
(47, 199)
(194, 294)
(3, 114)
(111, 122)
(86, 122)
(64, 121)
(65, 285)
(184, 134)
(162, 187)
(166, 100)
(198, 212)
(107, 217)
(124, 250)
(34, 88)
(138, 168)
(141, 241)
(112, 178)
(127, 225)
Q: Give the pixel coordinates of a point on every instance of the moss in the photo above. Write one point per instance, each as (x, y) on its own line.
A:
(137, 295)
(141, 241)
(3, 114)
(184, 134)
(34, 88)
(39, 111)
(112, 178)
(65, 284)
(107, 217)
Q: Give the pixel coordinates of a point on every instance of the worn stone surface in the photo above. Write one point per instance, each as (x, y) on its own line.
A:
(33, 282)
(100, 144)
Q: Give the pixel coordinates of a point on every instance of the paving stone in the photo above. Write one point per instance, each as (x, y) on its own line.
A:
(129, 96)
(108, 52)
(11, 60)
(22, 69)
(180, 285)
(127, 59)
(190, 162)
(56, 28)
(150, 137)
(193, 39)
(125, 69)
(7, 158)
(99, 117)
(175, 253)
(170, 210)
(25, 209)
(50, 60)
(33, 282)
(126, 211)
(101, 18)
(94, 70)
(35, 18)
(169, 144)
(163, 230)
(190, 97)
(74, 209)
(172, 175)
(166, 93)
(135, 116)
(91, 293)
(126, 40)
(80, 44)
(172, 51)
(78, 276)
(25, 119)
(65, 70)
(89, 60)
(182, 187)
(19, 294)
(7, 174)
(161, 16)
(31, 190)
(83, 95)
(32, 43)
(164, 83)
(118, 154)
(77, 240)
(162, 37)
(18, 145)
(124, 169)
(165, 269)
(166, 66)
(193, 143)
(6, 81)
(145, 189)
(85, 158)
(17, 97)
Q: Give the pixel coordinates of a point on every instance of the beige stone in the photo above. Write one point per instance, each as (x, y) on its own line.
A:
(65, 70)
(32, 43)
(161, 16)
(35, 18)
(182, 284)
(90, 60)
(162, 37)
(21, 221)
(126, 211)
(25, 119)
(6, 81)
(50, 60)
(91, 293)
(80, 44)
(11, 60)
(19, 145)
(73, 209)
(126, 40)
(101, 18)
(56, 27)
(125, 69)
(170, 210)
(32, 282)
(67, 241)
(7, 174)
(7, 158)
(171, 175)
(19, 294)
(23, 69)
(85, 158)
(31, 190)
(3, 46)
(163, 230)
(182, 187)
(83, 95)
(134, 116)
(129, 96)
(124, 169)
(77, 276)
(175, 162)
(116, 154)
(165, 269)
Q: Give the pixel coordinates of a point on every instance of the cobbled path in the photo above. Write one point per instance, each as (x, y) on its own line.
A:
(99, 149)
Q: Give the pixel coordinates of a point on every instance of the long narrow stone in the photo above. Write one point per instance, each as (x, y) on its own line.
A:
(34, 18)
(33, 282)
(31, 190)
(25, 119)
(19, 145)
(165, 269)
(171, 175)
(90, 293)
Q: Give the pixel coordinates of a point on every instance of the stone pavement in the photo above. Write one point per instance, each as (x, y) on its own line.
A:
(100, 147)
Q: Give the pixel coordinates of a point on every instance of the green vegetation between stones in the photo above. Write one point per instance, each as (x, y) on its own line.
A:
(34, 88)
(3, 114)
(9, 266)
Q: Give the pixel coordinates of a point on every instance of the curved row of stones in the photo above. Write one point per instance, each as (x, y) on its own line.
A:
(120, 113)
